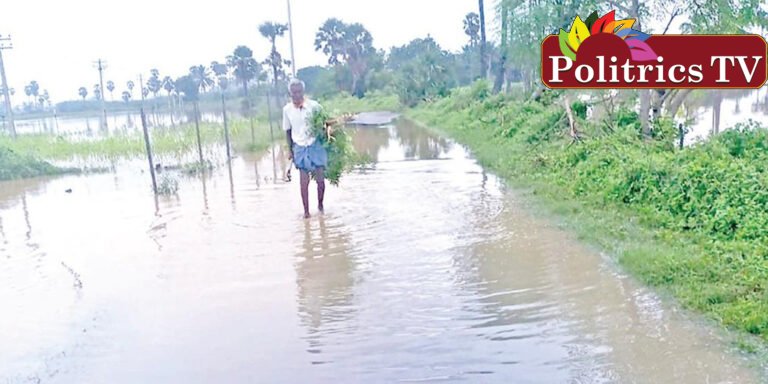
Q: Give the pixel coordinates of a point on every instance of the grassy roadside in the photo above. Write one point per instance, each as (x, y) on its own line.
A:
(688, 222)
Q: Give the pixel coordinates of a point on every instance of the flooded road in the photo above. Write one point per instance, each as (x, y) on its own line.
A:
(423, 269)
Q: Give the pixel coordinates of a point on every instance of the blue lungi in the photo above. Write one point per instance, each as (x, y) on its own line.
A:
(310, 157)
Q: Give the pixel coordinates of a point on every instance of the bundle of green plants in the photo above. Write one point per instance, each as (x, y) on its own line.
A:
(342, 156)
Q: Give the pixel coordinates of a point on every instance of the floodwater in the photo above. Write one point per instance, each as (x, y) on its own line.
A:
(736, 106)
(424, 268)
(117, 122)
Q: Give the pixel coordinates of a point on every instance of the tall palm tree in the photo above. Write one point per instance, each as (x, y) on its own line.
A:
(111, 89)
(154, 85)
(220, 71)
(97, 92)
(202, 76)
(271, 31)
(83, 92)
(483, 48)
(130, 84)
(245, 68)
(32, 90)
(169, 86)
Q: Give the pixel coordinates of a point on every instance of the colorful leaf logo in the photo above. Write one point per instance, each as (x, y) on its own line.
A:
(581, 31)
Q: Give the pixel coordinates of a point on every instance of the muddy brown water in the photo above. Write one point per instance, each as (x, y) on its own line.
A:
(423, 269)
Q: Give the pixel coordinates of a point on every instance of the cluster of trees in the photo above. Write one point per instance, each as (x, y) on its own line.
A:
(421, 69)
(415, 71)
(37, 99)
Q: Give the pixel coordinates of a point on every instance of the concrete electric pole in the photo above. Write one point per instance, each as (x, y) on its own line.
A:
(6, 91)
(101, 65)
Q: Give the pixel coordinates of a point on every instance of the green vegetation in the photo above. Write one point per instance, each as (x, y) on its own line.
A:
(690, 221)
(341, 154)
(167, 185)
(170, 141)
(16, 166)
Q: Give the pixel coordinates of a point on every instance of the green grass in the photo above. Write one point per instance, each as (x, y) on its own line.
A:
(690, 223)
(17, 166)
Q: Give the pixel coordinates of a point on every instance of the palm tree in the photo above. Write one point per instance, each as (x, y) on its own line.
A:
(349, 44)
(130, 84)
(169, 87)
(220, 70)
(483, 47)
(83, 92)
(126, 96)
(32, 90)
(97, 92)
(111, 88)
(154, 84)
(202, 76)
(245, 67)
(272, 31)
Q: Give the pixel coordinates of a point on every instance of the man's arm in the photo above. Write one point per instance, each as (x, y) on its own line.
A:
(287, 129)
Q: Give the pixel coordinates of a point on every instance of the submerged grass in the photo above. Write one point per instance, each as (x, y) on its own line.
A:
(165, 141)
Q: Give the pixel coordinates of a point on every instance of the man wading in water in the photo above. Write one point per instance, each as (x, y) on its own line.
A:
(307, 153)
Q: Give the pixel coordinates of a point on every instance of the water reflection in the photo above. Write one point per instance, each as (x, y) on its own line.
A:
(324, 279)
(26, 216)
(369, 141)
(403, 141)
(231, 185)
(420, 143)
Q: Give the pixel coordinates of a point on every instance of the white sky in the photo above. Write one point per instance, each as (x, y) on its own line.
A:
(56, 41)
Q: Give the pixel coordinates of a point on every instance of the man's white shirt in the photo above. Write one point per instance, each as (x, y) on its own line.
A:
(297, 120)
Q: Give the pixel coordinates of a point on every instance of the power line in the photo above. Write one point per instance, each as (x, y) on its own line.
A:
(6, 93)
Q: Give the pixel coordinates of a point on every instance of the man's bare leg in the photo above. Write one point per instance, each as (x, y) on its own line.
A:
(304, 181)
(320, 177)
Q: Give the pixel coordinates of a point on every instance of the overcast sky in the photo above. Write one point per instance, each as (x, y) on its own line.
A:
(56, 42)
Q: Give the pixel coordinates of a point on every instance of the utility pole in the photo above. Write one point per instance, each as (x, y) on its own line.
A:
(141, 89)
(102, 65)
(6, 93)
(290, 35)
